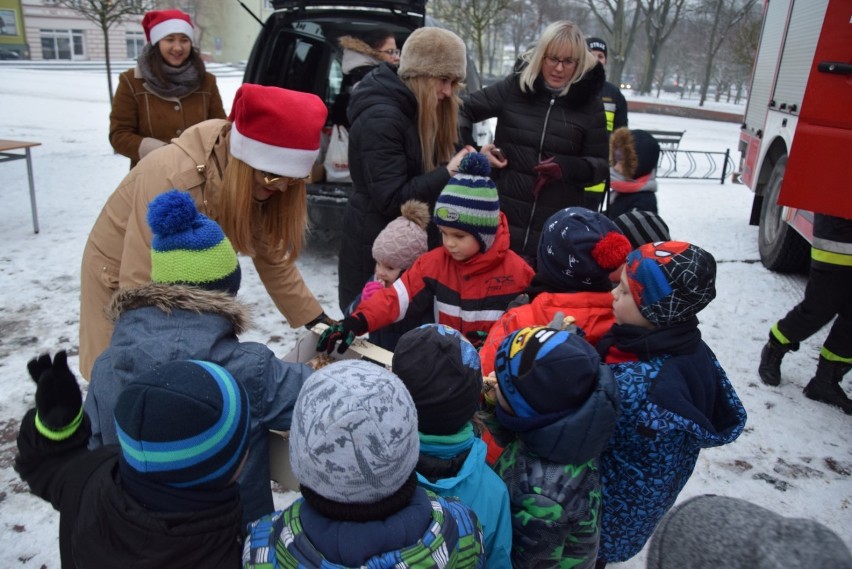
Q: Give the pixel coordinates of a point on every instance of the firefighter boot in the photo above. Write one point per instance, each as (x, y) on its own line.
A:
(825, 386)
(770, 361)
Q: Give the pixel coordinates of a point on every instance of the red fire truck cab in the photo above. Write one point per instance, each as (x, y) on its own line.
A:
(801, 91)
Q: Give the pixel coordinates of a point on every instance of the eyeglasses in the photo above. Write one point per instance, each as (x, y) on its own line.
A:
(274, 180)
(391, 52)
(555, 61)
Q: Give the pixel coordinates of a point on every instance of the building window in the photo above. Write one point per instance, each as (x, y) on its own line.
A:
(62, 44)
(135, 42)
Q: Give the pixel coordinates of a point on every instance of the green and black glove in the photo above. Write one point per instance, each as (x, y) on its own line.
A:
(59, 403)
(344, 332)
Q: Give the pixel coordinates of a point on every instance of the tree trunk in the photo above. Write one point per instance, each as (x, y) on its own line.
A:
(105, 29)
(711, 54)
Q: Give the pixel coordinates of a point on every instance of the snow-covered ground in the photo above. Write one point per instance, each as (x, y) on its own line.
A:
(795, 456)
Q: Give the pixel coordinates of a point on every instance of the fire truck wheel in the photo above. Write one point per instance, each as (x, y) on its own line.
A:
(781, 248)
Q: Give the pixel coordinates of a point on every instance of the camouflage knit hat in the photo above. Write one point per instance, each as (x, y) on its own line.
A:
(671, 281)
(354, 438)
(469, 201)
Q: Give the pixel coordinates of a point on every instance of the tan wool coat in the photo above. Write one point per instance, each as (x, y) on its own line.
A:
(141, 120)
(118, 251)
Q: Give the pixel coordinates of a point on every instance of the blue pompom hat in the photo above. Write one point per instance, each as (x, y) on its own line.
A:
(188, 247)
(469, 201)
(184, 424)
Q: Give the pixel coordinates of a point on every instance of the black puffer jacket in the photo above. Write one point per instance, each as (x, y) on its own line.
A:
(386, 169)
(101, 526)
(535, 126)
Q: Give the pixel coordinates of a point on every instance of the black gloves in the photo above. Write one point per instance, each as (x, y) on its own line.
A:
(322, 318)
(59, 404)
(344, 332)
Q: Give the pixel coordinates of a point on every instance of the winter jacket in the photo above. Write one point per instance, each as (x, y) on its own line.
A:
(832, 246)
(358, 60)
(535, 126)
(477, 487)
(431, 532)
(118, 251)
(386, 168)
(468, 296)
(158, 323)
(553, 478)
(672, 406)
(615, 106)
(592, 312)
(101, 527)
(141, 120)
(388, 336)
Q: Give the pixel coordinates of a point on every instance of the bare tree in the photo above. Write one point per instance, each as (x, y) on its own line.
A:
(661, 19)
(725, 14)
(472, 20)
(106, 13)
(621, 27)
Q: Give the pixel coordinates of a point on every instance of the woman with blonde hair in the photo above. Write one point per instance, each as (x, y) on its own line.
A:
(402, 144)
(551, 140)
(247, 173)
(167, 92)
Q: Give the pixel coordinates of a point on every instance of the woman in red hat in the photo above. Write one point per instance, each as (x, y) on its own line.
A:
(167, 92)
(247, 173)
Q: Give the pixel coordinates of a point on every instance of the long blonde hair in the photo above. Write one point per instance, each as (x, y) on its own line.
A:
(559, 36)
(437, 121)
(279, 223)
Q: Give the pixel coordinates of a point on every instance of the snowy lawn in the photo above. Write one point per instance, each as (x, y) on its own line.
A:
(795, 456)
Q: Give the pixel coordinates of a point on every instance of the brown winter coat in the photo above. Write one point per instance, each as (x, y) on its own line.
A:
(141, 121)
(118, 254)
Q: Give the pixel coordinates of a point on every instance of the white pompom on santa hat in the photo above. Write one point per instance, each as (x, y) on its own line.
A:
(276, 130)
(161, 23)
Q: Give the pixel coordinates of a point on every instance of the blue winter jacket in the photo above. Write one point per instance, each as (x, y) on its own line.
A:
(671, 408)
(479, 488)
(158, 323)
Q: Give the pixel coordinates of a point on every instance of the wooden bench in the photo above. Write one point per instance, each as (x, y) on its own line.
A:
(5, 156)
(668, 139)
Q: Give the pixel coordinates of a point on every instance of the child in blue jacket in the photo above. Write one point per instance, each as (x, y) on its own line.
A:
(190, 312)
(675, 396)
(442, 372)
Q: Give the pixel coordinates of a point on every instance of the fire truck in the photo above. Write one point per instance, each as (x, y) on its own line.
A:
(796, 138)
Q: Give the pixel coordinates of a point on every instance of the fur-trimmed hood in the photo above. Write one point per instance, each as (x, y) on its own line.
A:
(357, 53)
(169, 297)
(637, 151)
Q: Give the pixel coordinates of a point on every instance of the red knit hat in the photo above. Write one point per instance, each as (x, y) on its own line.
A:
(276, 130)
(160, 23)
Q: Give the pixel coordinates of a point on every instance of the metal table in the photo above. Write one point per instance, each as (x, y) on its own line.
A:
(6, 146)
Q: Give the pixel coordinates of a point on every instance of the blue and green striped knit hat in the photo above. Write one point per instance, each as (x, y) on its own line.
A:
(184, 424)
(188, 247)
(469, 201)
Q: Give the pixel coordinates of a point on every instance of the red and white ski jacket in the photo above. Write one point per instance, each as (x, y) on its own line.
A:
(468, 296)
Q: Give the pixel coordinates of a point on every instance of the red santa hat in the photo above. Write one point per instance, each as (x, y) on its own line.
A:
(276, 130)
(160, 23)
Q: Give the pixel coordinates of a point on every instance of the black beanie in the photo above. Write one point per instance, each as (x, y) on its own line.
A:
(596, 44)
(443, 373)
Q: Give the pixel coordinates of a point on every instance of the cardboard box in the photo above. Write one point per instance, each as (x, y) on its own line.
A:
(304, 350)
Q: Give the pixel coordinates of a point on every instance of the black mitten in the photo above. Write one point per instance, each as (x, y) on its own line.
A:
(59, 403)
(323, 318)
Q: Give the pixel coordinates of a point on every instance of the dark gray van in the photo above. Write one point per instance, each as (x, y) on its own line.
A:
(298, 49)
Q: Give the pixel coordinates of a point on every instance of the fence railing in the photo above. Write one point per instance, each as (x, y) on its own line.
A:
(695, 164)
